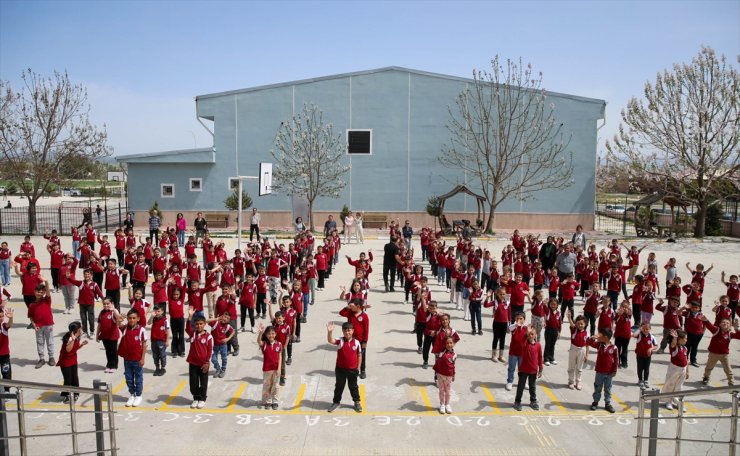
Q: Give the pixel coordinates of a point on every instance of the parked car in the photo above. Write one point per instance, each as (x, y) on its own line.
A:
(71, 192)
(615, 208)
(3, 190)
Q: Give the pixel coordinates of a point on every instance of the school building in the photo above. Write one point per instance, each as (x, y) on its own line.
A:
(394, 117)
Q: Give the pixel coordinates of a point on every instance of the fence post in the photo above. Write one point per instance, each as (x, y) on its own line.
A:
(733, 425)
(106, 216)
(1, 222)
(59, 212)
(120, 220)
(99, 430)
(4, 442)
(654, 416)
(640, 423)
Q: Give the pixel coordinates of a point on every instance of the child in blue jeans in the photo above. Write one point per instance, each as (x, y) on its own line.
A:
(222, 332)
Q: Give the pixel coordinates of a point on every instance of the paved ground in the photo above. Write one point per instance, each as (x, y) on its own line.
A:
(398, 396)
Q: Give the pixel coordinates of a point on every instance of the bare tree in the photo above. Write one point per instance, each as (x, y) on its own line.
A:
(308, 158)
(505, 136)
(684, 134)
(43, 128)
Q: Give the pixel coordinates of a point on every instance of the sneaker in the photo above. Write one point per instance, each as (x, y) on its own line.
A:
(608, 407)
(251, 330)
(518, 406)
(442, 409)
(107, 370)
(646, 385)
(534, 405)
(162, 371)
(130, 401)
(363, 375)
(425, 365)
(493, 358)
(264, 405)
(448, 408)
(156, 372)
(334, 406)
(289, 361)
(579, 386)
(303, 320)
(66, 399)
(594, 405)
(669, 406)
(274, 406)
(236, 353)
(480, 332)
(137, 401)
(473, 332)
(501, 359)
(660, 352)
(705, 381)
(547, 363)
(418, 350)
(571, 386)
(298, 340)
(200, 404)
(242, 329)
(113, 371)
(508, 387)
(554, 363)
(694, 364)
(51, 361)
(358, 407)
(40, 364)
(194, 404)
(282, 381)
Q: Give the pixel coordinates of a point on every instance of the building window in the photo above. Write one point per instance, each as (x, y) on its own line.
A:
(233, 183)
(168, 190)
(196, 184)
(360, 142)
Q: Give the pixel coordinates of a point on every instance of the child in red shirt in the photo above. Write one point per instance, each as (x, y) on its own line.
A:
(444, 367)
(349, 359)
(578, 350)
(355, 314)
(160, 336)
(644, 348)
(108, 321)
(39, 312)
(678, 369)
(222, 333)
(199, 358)
(719, 349)
(272, 351)
(5, 367)
(133, 351)
(607, 362)
(68, 357)
(553, 326)
(530, 369)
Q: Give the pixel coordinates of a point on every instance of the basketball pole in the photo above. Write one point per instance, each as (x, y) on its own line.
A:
(239, 210)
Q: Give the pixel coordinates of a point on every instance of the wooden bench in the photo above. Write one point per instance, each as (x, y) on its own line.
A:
(377, 220)
(217, 219)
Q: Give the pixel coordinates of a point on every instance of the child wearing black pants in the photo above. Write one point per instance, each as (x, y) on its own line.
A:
(349, 359)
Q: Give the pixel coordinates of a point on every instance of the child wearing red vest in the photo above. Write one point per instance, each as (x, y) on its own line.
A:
(108, 321)
(272, 351)
(719, 349)
(160, 336)
(577, 352)
(530, 370)
(133, 351)
(68, 357)
(199, 358)
(607, 362)
(355, 314)
(644, 348)
(678, 369)
(444, 367)
(349, 358)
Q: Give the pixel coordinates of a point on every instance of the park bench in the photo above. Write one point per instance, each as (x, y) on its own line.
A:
(375, 220)
(217, 219)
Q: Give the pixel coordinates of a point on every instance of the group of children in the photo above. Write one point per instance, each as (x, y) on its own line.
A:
(266, 276)
(471, 278)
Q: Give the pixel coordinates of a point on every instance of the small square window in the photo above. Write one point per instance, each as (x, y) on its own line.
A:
(168, 190)
(196, 184)
(359, 142)
(233, 183)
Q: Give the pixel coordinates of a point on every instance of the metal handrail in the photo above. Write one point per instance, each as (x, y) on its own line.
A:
(654, 398)
(99, 390)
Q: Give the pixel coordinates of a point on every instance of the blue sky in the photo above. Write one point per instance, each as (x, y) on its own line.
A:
(143, 62)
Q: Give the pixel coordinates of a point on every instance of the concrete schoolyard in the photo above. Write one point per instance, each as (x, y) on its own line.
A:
(400, 401)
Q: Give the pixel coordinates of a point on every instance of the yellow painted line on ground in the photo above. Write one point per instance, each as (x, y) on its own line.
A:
(173, 395)
(43, 396)
(619, 401)
(362, 398)
(425, 399)
(119, 386)
(492, 401)
(236, 396)
(299, 398)
(554, 399)
(690, 407)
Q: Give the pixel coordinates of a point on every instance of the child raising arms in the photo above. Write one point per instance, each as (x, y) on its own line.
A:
(272, 351)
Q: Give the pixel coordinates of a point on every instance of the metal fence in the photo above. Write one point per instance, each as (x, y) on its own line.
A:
(41, 219)
(615, 217)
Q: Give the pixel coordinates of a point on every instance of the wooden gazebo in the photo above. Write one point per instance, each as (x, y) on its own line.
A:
(481, 203)
(646, 224)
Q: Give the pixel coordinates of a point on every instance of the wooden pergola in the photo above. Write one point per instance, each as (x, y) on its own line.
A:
(645, 227)
(481, 203)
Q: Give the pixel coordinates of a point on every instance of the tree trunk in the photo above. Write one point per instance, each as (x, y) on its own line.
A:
(31, 216)
(310, 215)
(701, 218)
(489, 222)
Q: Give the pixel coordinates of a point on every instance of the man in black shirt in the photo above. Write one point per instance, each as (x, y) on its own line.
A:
(200, 226)
(390, 258)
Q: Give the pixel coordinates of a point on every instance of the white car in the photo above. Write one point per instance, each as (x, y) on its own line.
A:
(71, 192)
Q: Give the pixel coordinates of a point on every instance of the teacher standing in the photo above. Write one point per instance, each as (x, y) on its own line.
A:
(390, 260)
(254, 224)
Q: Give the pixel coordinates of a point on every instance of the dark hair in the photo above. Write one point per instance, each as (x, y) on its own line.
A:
(40, 287)
(358, 302)
(519, 314)
(278, 314)
(347, 325)
(226, 312)
(198, 318)
(606, 332)
(132, 312)
(267, 330)
(159, 307)
(71, 329)
(681, 334)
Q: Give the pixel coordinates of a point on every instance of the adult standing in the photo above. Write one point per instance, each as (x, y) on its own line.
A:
(254, 224)
(390, 261)
(358, 226)
(299, 225)
(180, 227)
(349, 227)
(98, 211)
(548, 253)
(579, 238)
(128, 223)
(329, 226)
(407, 233)
(566, 262)
(201, 226)
(154, 224)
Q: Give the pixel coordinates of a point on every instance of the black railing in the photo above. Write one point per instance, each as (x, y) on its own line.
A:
(41, 219)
